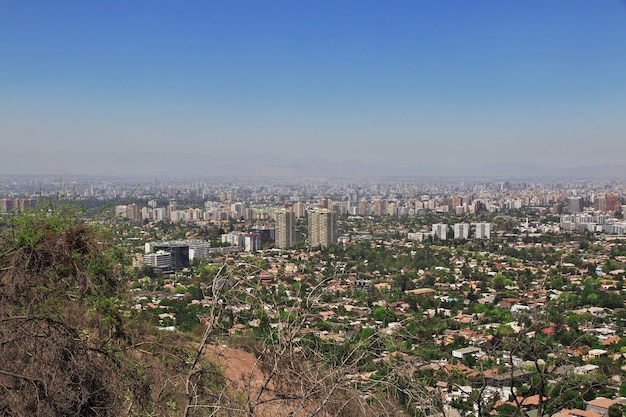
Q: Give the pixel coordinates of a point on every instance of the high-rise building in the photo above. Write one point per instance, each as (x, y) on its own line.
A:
(233, 238)
(24, 204)
(461, 230)
(299, 209)
(285, 229)
(252, 242)
(440, 230)
(322, 227)
(575, 204)
(599, 204)
(363, 208)
(248, 214)
(613, 203)
(380, 207)
(133, 212)
(266, 234)
(6, 205)
(337, 207)
(237, 210)
(483, 230)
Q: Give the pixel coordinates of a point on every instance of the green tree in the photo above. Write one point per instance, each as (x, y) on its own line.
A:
(383, 314)
(498, 282)
(615, 410)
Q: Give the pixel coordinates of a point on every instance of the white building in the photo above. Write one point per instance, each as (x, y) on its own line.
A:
(482, 230)
(419, 236)
(440, 230)
(198, 249)
(252, 242)
(461, 230)
(161, 260)
(233, 238)
(467, 351)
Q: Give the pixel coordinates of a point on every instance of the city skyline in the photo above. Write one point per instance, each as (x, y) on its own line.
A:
(297, 89)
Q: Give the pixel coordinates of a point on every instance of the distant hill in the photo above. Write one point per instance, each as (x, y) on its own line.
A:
(188, 163)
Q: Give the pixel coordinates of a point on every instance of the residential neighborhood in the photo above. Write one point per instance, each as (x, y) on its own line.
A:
(527, 319)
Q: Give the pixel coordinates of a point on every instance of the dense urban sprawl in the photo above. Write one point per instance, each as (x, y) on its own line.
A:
(463, 296)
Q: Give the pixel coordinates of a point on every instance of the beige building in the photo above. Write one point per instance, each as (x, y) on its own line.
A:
(300, 209)
(285, 229)
(322, 228)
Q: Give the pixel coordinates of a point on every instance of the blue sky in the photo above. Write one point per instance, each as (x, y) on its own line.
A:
(363, 86)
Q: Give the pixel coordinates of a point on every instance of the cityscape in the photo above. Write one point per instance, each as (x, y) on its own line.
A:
(313, 208)
(462, 278)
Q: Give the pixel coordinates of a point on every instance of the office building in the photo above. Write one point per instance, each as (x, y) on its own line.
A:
(181, 253)
(198, 249)
(160, 261)
(266, 234)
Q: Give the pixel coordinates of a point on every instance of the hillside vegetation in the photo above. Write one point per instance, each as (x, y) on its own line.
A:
(72, 346)
(67, 347)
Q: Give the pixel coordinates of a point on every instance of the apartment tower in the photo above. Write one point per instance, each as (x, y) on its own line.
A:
(285, 229)
(322, 227)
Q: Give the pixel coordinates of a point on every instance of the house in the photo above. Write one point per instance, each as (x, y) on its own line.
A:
(576, 413)
(600, 405)
(265, 278)
(585, 369)
(519, 308)
(596, 353)
(504, 379)
(597, 312)
(465, 318)
(610, 341)
(420, 291)
(467, 351)
(602, 332)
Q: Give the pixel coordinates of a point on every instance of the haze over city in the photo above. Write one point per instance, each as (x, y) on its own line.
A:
(313, 88)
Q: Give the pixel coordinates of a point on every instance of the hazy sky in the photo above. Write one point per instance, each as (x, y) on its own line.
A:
(89, 87)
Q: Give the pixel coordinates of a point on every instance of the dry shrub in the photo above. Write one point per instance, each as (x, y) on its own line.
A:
(46, 258)
(61, 335)
(53, 371)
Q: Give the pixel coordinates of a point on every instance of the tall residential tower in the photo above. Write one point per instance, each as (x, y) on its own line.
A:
(285, 229)
(322, 228)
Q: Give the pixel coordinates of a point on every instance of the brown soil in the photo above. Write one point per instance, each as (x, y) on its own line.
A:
(240, 368)
(246, 374)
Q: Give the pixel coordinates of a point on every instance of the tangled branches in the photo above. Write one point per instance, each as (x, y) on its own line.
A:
(59, 330)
